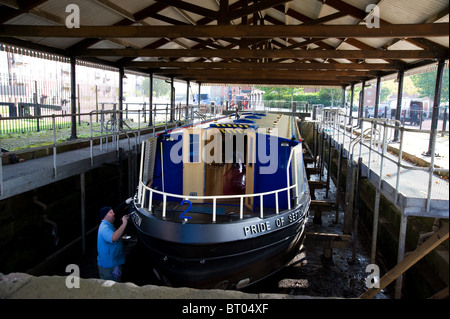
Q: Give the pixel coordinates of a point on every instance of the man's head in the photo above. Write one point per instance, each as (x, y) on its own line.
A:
(107, 213)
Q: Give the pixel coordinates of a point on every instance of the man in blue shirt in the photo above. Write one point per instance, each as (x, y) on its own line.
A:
(111, 254)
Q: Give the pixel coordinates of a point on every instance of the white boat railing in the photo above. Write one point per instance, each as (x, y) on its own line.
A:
(147, 190)
(146, 202)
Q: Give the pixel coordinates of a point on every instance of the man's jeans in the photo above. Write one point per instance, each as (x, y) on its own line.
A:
(114, 274)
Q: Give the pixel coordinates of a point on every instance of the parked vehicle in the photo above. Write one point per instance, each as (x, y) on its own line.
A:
(412, 111)
(384, 111)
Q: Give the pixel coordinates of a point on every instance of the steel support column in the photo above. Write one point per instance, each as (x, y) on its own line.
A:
(398, 111)
(73, 98)
(437, 101)
(150, 114)
(121, 97)
(377, 98)
(352, 96)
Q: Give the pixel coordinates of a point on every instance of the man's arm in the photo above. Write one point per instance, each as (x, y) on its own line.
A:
(119, 232)
(123, 205)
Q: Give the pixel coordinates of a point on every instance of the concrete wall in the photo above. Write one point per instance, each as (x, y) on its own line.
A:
(26, 237)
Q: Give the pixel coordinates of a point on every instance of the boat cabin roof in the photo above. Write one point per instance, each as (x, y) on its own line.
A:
(277, 124)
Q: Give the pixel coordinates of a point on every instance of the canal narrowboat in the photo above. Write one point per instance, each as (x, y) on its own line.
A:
(223, 203)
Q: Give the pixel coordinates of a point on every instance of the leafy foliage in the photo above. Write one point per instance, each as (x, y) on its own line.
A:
(287, 95)
(426, 84)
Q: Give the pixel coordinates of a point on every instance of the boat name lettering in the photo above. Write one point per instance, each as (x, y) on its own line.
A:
(265, 226)
(293, 217)
(136, 219)
(279, 222)
(256, 228)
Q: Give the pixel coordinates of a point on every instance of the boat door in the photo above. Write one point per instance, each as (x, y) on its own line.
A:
(193, 165)
(250, 168)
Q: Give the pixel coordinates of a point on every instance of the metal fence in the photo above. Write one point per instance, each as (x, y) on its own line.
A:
(378, 146)
(38, 130)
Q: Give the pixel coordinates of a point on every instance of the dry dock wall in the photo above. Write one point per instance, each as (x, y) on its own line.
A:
(428, 276)
(27, 234)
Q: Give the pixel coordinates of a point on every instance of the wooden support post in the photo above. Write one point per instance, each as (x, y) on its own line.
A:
(420, 252)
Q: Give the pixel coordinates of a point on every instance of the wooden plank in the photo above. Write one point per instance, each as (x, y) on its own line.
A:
(439, 237)
(232, 31)
(331, 236)
(322, 203)
(443, 294)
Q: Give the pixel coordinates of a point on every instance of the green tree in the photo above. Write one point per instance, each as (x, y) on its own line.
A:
(426, 84)
(160, 87)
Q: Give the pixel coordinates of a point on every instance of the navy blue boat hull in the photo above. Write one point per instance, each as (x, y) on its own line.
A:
(257, 254)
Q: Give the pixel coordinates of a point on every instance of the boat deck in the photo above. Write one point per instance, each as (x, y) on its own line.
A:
(201, 213)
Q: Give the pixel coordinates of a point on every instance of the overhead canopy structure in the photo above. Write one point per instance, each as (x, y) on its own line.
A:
(297, 42)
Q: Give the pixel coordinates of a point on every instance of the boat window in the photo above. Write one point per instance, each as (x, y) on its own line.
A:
(194, 148)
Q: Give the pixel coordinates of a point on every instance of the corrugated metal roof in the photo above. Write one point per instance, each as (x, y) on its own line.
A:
(410, 11)
(273, 13)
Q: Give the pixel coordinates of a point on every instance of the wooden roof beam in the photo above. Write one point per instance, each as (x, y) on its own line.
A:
(141, 15)
(257, 54)
(230, 31)
(11, 3)
(361, 15)
(117, 9)
(9, 12)
(268, 66)
(286, 82)
(191, 8)
(256, 7)
(285, 73)
(259, 81)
